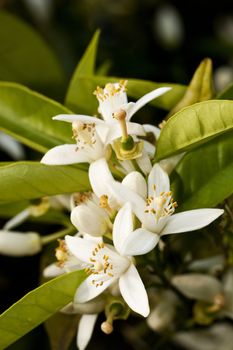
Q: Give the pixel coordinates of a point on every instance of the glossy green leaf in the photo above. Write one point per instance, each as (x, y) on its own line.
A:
(37, 306)
(193, 126)
(87, 102)
(27, 116)
(200, 87)
(28, 180)
(26, 58)
(76, 93)
(203, 178)
(226, 94)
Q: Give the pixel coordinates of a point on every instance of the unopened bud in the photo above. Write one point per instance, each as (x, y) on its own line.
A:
(19, 244)
(106, 327)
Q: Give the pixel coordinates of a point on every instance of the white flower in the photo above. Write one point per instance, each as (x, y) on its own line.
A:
(67, 262)
(113, 98)
(85, 330)
(106, 264)
(155, 211)
(89, 217)
(14, 243)
(87, 149)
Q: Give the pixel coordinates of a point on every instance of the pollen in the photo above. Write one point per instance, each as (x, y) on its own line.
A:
(160, 206)
(103, 203)
(101, 265)
(82, 197)
(61, 253)
(84, 134)
(110, 90)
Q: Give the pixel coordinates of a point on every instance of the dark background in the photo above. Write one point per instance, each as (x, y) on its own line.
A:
(154, 40)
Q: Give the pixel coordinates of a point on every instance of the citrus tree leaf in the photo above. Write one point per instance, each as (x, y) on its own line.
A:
(27, 116)
(193, 126)
(87, 102)
(203, 178)
(200, 87)
(26, 58)
(86, 66)
(28, 180)
(37, 306)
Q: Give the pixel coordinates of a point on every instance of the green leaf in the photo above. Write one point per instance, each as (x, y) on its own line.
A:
(28, 180)
(203, 178)
(37, 306)
(226, 94)
(200, 87)
(87, 102)
(61, 330)
(86, 66)
(193, 126)
(26, 58)
(27, 116)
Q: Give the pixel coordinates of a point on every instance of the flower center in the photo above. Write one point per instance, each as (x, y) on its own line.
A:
(61, 253)
(110, 90)
(160, 206)
(84, 134)
(101, 265)
(82, 197)
(104, 203)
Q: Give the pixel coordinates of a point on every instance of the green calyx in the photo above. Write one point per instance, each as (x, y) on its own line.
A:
(127, 148)
(116, 309)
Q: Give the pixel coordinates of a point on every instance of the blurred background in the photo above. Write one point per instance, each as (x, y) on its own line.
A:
(150, 39)
(157, 40)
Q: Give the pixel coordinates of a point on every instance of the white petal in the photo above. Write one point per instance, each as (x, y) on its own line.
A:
(144, 162)
(65, 154)
(198, 286)
(17, 219)
(139, 242)
(85, 330)
(80, 248)
(133, 291)
(190, 220)
(149, 148)
(103, 130)
(160, 179)
(100, 177)
(146, 99)
(53, 270)
(123, 226)
(115, 130)
(124, 194)
(126, 166)
(87, 290)
(87, 220)
(19, 244)
(136, 182)
(151, 128)
(170, 163)
(77, 117)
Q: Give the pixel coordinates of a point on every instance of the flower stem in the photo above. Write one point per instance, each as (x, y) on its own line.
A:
(54, 236)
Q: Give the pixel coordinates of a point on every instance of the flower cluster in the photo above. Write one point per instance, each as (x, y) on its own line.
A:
(126, 214)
